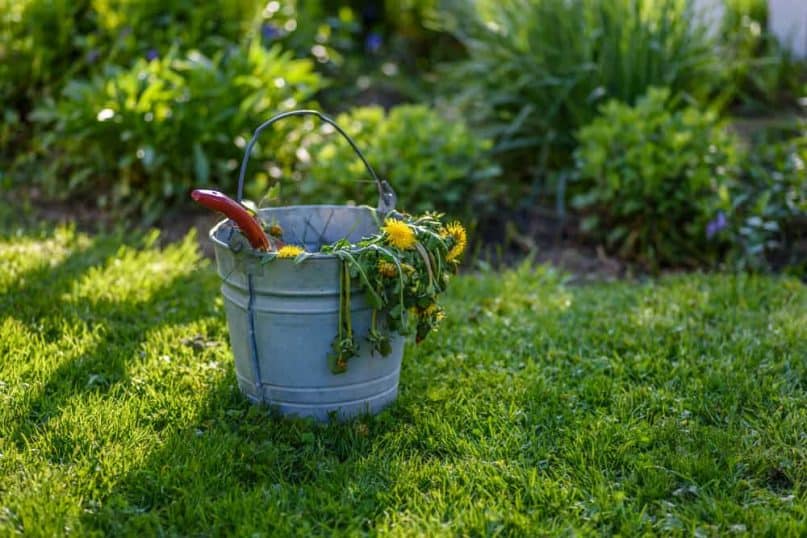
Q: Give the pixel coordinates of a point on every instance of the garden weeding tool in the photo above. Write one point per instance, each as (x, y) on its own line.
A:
(246, 220)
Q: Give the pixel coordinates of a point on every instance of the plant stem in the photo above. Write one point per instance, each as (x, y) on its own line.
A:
(346, 286)
(342, 269)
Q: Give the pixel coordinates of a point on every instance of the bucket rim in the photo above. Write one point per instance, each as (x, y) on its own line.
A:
(310, 255)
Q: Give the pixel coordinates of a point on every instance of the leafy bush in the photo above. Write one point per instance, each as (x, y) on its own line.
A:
(132, 28)
(770, 205)
(142, 136)
(654, 180)
(538, 68)
(431, 162)
(37, 46)
(48, 41)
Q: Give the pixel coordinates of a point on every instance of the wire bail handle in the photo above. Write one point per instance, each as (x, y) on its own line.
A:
(386, 196)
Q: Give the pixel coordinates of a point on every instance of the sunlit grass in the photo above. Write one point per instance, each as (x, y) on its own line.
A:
(673, 406)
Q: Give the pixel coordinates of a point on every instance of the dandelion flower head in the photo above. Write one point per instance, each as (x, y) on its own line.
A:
(457, 232)
(289, 251)
(399, 234)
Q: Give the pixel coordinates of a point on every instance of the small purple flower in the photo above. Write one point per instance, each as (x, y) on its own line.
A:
(152, 54)
(270, 32)
(92, 56)
(373, 42)
(716, 225)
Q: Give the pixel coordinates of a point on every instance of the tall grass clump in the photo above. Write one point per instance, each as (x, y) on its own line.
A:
(761, 73)
(537, 70)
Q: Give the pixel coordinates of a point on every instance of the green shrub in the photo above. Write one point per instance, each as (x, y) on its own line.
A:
(142, 136)
(537, 69)
(312, 29)
(654, 181)
(133, 27)
(38, 45)
(431, 162)
(770, 205)
(45, 42)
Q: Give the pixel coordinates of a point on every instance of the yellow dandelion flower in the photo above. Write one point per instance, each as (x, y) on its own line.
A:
(457, 232)
(399, 234)
(387, 269)
(289, 251)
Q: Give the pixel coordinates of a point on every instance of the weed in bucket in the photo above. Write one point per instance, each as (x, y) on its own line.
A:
(320, 298)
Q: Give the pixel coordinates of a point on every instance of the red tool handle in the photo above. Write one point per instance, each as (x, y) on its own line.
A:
(244, 219)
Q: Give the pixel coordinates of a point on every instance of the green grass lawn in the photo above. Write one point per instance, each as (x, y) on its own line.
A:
(675, 406)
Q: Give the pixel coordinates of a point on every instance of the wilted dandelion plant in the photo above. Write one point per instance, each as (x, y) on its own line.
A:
(402, 268)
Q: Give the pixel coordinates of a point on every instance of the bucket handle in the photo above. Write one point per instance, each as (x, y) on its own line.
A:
(386, 196)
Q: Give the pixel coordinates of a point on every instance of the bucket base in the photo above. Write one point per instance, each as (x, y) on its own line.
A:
(344, 410)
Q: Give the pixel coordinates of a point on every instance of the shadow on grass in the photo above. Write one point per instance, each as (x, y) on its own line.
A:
(237, 468)
(41, 301)
(220, 470)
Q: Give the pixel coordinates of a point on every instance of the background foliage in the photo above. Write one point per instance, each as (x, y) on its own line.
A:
(770, 204)
(651, 178)
(172, 122)
(131, 103)
(538, 69)
(759, 72)
(432, 164)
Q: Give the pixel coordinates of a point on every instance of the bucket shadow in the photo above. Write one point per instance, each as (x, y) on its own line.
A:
(236, 466)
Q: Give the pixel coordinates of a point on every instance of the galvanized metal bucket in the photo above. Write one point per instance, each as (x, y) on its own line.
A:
(283, 316)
